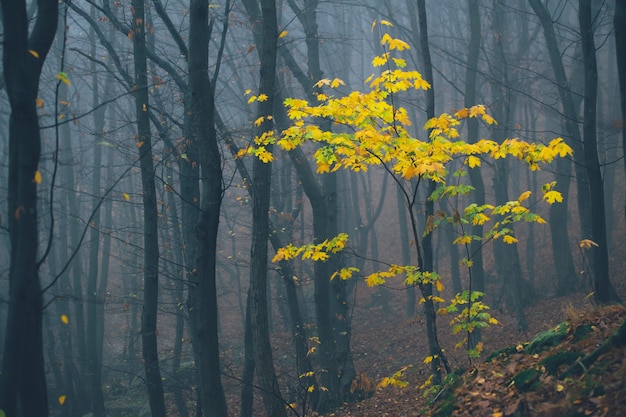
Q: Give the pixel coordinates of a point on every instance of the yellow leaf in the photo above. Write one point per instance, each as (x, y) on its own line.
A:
(497, 414)
(37, 179)
(282, 34)
(311, 388)
(552, 197)
(472, 161)
(39, 102)
(336, 83)
(559, 388)
(462, 240)
(439, 285)
(126, 196)
(65, 319)
(33, 53)
(587, 244)
(524, 196)
(509, 239)
(262, 97)
(386, 23)
(140, 144)
(428, 359)
(62, 399)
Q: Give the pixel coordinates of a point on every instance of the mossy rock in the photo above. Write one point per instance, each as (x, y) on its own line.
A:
(501, 352)
(554, 362)
(548, 339)
(527, 380)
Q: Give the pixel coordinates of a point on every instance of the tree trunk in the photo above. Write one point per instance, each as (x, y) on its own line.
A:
(570, 115)
(619, 23)
(430, 311)
(476, 178)
(203, 291)
(23, 389)
(604, 292)
(261, 182)
(150, 237)
(94, 298)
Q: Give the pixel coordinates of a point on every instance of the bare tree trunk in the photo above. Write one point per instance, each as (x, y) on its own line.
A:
(619, 23)
(604, 291)
(23, 382)
(570, 115)
(150, 237)
(261, 182)
(203, 291)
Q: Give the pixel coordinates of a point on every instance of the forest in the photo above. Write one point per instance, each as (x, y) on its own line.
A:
(305, 207)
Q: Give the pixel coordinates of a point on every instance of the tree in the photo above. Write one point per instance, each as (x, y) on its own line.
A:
(261, 182)
(619, 22)
(149, 349)
(22, 383)
(604, 291)
(378, 136)
(203, 291)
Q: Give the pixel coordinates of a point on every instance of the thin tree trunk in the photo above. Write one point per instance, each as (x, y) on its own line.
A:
(619, 23)
(151, 240)
(570, 115)
(261, 181)
(430, 312)
(478, 196)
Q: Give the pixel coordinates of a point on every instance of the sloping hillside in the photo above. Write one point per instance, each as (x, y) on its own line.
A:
(546, 376)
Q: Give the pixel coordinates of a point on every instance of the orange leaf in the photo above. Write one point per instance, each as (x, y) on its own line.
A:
(37, 179)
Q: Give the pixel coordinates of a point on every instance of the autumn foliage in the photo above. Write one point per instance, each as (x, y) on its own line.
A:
(370, 129)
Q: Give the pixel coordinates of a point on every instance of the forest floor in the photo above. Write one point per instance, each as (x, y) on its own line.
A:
(521, 381)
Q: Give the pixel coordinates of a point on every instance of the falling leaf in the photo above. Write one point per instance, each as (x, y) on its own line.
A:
(33, 53)
(65, 319)
(39, 102)
(139, 144)
(62, 76)
(282, 34)
(587, 244)
(62, 399)
(126, 196)
(38, 178)
(559, 387)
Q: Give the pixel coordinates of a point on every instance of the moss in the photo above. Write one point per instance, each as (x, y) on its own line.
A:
(504, 352)
(547, 339)
(582, 332)
(445, 398)
(527, 380)
(554, 362)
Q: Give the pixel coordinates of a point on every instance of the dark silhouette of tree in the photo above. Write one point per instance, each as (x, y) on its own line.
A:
(261, 185)
(203, 291)
(619, 22)
(150, 220)
(23, 389)
(603, 290)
